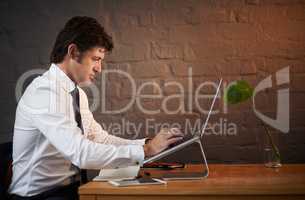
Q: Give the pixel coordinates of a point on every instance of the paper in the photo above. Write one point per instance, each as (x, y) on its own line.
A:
(118, 174)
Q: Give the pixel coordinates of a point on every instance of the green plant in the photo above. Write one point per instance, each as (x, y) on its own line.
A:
(240, 91)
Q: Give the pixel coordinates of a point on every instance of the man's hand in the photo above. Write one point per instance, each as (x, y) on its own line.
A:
(162, 140)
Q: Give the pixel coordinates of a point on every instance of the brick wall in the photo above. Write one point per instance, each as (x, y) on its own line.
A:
(157, 43)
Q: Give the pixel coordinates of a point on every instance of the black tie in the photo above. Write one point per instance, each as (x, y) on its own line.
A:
(78, 119)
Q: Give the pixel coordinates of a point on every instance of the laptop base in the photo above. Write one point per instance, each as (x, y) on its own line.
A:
(191, 175)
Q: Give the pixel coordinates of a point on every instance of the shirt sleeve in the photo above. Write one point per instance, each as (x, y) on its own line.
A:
(62, 132)
(94, 131)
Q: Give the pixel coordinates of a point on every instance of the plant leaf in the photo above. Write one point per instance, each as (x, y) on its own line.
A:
(238, 92)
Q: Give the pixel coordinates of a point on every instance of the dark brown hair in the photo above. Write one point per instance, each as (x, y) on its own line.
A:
(85, 33)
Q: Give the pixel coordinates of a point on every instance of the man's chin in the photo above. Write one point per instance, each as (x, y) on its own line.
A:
(85, 83)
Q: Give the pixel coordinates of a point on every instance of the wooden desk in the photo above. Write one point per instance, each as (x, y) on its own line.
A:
(224, 182)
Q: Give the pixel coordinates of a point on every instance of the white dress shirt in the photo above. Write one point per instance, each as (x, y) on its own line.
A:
(47, 141)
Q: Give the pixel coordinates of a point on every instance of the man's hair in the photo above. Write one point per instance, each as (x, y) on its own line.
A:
(85, 33)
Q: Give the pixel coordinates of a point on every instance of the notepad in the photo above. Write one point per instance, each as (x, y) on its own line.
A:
(123, 173)
(137, 182)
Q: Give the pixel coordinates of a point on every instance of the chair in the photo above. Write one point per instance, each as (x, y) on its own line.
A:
(6, 168)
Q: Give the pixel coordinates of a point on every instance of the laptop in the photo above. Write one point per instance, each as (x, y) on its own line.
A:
(188, 140)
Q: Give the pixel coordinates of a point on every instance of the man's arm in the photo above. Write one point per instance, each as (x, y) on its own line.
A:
(66, 137)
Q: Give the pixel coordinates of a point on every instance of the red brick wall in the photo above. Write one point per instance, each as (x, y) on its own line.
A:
(157, 40)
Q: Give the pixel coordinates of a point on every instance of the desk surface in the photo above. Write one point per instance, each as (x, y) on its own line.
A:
(223, 180)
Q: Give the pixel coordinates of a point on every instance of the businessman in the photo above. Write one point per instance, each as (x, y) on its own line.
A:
(55, 134)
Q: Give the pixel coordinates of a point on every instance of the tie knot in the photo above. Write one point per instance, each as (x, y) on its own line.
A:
(75, 92)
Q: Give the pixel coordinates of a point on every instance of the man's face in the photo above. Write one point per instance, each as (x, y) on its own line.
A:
(88, 65)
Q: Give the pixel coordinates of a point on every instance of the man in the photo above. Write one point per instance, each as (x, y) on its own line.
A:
(55, 134)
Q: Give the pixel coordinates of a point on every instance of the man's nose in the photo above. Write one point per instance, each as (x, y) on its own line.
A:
(98, 68)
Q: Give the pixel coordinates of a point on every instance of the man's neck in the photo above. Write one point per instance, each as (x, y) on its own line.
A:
(64, 67)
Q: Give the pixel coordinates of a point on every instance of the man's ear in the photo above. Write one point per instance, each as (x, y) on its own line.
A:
(73, 52)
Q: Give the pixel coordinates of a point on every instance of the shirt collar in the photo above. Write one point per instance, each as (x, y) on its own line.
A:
(61, 77)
